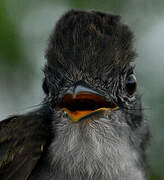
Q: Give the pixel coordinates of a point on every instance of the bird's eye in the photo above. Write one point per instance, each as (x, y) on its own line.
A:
(131, 84)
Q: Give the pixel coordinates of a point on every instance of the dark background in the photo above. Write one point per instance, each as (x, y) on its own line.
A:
(24, 30)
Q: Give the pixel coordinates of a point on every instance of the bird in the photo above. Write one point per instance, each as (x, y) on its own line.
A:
(91, 124)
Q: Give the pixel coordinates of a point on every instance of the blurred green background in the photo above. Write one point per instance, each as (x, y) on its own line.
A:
(24, 30)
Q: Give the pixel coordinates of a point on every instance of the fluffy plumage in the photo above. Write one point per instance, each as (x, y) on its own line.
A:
(94, 49)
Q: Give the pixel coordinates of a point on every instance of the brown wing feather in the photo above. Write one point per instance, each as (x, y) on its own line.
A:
(21, 141)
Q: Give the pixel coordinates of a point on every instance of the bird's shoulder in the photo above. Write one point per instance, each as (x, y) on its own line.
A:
(22, 139)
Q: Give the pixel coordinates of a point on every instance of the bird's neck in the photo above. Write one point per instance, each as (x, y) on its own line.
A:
(93, 154)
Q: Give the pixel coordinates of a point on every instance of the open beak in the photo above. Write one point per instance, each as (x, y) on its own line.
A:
(80, 102)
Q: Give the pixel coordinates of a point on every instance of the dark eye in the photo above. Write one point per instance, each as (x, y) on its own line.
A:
(131, 84)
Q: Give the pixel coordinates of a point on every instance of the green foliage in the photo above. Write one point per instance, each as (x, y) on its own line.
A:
(113, 5)
(155, 177)
(9, 39)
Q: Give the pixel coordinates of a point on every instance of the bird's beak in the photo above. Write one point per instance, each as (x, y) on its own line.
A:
(81, 101)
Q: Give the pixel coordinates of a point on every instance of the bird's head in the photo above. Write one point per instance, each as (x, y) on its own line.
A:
(90, 85)
(89, 65)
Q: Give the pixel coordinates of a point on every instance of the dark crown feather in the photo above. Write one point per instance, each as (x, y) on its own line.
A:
(83, 38)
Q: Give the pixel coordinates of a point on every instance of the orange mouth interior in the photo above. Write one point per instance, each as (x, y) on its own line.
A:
(85, 104)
